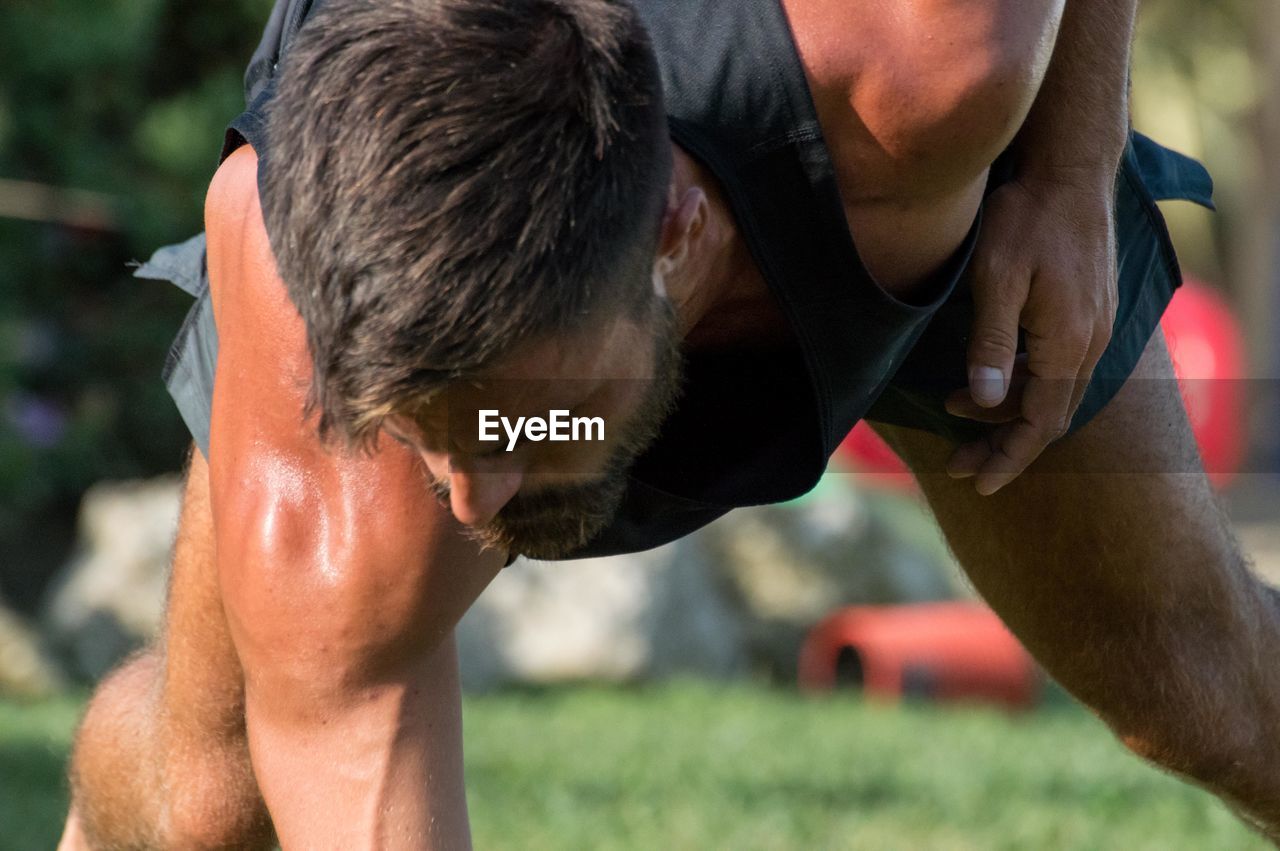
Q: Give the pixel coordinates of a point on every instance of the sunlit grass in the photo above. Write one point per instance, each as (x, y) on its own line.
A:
(688, 765)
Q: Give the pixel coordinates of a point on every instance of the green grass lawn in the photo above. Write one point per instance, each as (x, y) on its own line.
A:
(694, 766)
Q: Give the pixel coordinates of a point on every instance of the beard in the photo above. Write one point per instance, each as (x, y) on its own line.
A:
(552, 522)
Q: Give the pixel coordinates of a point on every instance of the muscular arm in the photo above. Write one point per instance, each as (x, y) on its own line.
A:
(341, 579)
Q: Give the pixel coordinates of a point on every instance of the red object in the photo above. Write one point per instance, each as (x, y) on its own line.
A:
(1208, 358)
(868, 454)
(940, 651)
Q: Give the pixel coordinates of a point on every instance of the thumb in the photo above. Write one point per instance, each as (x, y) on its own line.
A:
(993, 344)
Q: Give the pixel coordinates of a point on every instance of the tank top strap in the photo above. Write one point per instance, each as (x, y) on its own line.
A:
(249, 127)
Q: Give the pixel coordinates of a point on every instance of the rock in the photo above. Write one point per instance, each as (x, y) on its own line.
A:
(1260, 543)
(624, 618)
(109, 599)
(27, 668)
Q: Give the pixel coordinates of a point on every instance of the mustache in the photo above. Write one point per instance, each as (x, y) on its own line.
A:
(551, 522)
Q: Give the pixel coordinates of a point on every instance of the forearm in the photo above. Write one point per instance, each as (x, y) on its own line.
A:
(1079, 122)
(376, 767)
(352, 703)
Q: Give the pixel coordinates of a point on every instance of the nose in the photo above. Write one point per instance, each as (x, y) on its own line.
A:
(476, 497)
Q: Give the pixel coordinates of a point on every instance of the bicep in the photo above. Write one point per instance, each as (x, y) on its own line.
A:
(335, 551)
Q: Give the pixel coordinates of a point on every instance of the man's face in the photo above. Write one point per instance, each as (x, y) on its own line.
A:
(541, 497)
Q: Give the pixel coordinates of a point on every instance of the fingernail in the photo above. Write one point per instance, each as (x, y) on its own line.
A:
(986, 383)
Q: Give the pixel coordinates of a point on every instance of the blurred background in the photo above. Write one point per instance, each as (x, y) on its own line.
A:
(111, 120)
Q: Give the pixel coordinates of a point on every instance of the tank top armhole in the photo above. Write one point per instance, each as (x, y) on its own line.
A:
(231, 143)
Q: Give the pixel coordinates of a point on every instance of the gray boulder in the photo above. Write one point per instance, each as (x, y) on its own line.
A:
(109, 599)
(625, 618)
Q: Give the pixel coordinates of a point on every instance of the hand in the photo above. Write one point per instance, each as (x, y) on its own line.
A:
(1046, 261)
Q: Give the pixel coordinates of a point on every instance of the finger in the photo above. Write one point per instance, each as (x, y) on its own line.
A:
(993, 340)
(1085, 344)
(1078, 389)
(968, 459)
(1055, 360)
(960, 403)
(1097, 348)
(1017, 444)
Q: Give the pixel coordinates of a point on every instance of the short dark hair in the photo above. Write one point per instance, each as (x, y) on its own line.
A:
(444, 179)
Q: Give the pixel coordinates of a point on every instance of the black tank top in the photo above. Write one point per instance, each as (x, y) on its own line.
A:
(753, 426)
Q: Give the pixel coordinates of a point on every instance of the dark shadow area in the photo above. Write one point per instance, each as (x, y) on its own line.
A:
(849, 672)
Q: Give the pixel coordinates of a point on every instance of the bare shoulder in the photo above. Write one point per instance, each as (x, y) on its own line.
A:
(232, 197)
(264, 368)
(234, 185)
(898, 84)
(263, 361)
(237, 238)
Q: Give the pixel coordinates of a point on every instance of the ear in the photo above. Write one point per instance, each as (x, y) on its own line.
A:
(682, 224)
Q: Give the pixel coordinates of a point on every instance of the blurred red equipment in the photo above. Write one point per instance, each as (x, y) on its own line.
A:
(936, 651)
(1205, 344)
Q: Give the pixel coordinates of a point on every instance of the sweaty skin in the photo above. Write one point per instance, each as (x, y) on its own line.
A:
(338, 574)
(321, 588)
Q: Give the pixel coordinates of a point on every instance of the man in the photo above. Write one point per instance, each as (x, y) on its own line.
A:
(434, 210)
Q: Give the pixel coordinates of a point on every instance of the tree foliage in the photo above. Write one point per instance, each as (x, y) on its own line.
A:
(127, 98)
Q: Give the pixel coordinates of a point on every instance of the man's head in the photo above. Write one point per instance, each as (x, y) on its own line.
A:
(450, 183)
